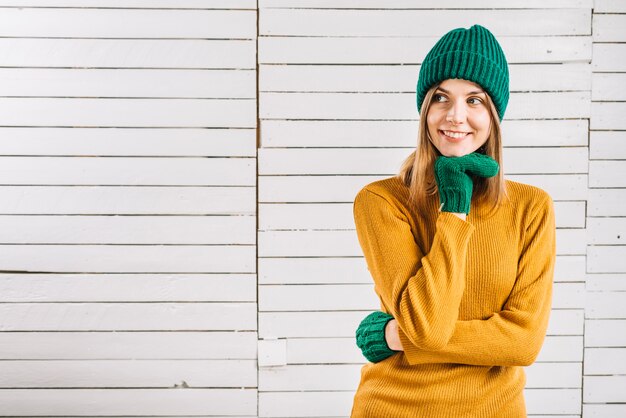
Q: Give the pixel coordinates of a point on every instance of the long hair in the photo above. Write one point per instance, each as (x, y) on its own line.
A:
(417, 170)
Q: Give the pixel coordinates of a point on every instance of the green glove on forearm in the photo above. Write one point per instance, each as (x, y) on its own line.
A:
(452, 175)
(370, 337)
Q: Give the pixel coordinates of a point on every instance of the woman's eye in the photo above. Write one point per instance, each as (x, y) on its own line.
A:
(478, 101)
(436, 97)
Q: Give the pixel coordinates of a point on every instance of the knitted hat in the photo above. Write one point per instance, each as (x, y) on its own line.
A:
(472, 54)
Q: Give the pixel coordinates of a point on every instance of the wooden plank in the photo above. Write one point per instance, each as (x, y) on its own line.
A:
(123, 53)
(608, 87)
(428, 4)
(402, 78)
(604, 389)
(161, 4)
(128, 373)
(136, 23)
(128, 258)
(128, 171)
(116, 200)
(606, 231)
(607, 173)
(410, 50)
(67, 402)
(554, 402)
(388, 22)
(137, 83)
(170, 113)
(607, 145)
(606, 305)
(606, 282)
(606, 202)
(608, 27)
(127, 345)
(606, 259)
(295, 270)
(604, 410)
(608, 115)
(605, 333)
(388, 160)
(374, 133)
(401, 106)
(605, 361)
(569, 268)
(609, 57)
(559, 186)
(163, 316)
(609, 6)
(15, 287)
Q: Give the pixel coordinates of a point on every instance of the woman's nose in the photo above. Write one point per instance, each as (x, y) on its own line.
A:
(456, 113)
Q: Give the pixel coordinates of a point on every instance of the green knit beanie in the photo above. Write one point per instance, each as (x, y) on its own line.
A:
(472, 54)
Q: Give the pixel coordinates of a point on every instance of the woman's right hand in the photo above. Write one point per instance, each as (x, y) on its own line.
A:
(455, 185)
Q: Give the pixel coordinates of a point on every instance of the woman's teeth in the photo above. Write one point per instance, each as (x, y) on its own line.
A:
(455, 134)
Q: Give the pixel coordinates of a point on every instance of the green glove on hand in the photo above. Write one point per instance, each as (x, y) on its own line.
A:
(453, 180)
(370, 337)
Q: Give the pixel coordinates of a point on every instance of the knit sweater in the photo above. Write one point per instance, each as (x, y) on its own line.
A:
(472, 299)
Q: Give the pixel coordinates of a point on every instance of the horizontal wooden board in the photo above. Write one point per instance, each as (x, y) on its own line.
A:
(606, 202)
(570, 268)
(605, 333)
(191, 171)
(409, 50)
(401, 106)
(608, 86)
(187, 401)
(604, 410)
(104, 345)
(607, 173)
(607, 145)
(171, 316)
(604, 389)
(21, 141)
(609, 6)
(606, 305)
(606, 282)
(88, 229)
(111, 23)
(172, 113)
(387, 161)
(345, 350)
(128, 374)
(609, 27)
(137, 83)
(606, 231)
(128, 258)
(427, 4)
(374, 133)
(605, 361)
(123, 53)
(125, 200)
(606, 259)
(609, 57)
(389, 22)
(608, 115)
(343, 324)
(16, 287)
(293, 270)
(161, 4)
(402, 78)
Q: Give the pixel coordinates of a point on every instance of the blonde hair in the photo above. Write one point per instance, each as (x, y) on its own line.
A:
(417, 170)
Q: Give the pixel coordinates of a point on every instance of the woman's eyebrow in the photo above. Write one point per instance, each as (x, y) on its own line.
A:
(471, 92)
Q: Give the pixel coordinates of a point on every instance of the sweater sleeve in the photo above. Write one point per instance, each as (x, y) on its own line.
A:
(422, 292)
(514, 336)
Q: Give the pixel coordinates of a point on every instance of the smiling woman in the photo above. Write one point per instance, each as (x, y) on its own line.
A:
(465, 295)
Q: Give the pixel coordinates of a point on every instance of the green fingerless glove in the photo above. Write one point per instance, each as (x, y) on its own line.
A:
(455, 185)
(370, 337)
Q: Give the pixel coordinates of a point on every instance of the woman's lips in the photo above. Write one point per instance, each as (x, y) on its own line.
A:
(452, 139)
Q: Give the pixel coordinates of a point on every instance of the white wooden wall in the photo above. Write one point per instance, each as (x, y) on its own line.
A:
(131, 178)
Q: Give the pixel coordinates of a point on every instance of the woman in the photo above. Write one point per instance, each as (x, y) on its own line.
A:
(465, 294)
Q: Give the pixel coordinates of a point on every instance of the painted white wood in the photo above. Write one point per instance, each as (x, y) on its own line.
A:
(293, 270)
(113, 200)
(608, 57)
(604, 389)
(133, 23)
(609, 6)
(553, 401)
(607, 173)
(34, 287)
(401, 106)
(128, 373)
(606, 282)
(606, 305)
(608, 115)
(128, 258)
(343, 324)
(606, 259)
(105, 345)
(608, 86)
(605, 333)
(569, 268)
(560, 186)
(607, 145)
(272, 352)
(98, 402)
(605, 361)
(606, 202)
(128, 171)
(161, 4)
(381, 22)
(429, 4)
(604, 410)
(394, 78)
(405, 50)
(139, 83)
(170, 113)
(124, 53)
(609, 27)
(127, 316)
(606, 231)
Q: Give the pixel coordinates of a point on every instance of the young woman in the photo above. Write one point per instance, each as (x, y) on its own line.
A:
(462, 259)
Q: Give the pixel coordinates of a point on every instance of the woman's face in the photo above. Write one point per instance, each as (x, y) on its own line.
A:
(458, 119)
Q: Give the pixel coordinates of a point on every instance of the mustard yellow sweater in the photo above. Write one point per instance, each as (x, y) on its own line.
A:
(472, 299)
